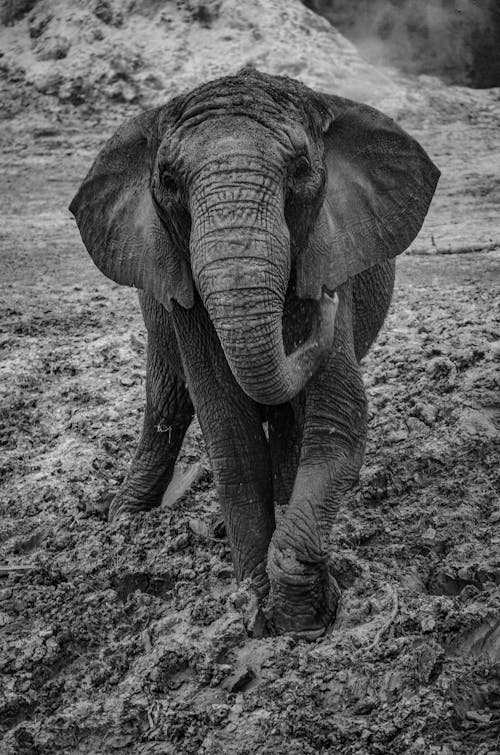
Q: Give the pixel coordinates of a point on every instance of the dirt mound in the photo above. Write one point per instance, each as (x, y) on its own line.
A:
(86, 52)
(93, 53)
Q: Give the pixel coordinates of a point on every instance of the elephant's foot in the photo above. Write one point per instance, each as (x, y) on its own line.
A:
(125, 505)
(303, 598)
(138, 494)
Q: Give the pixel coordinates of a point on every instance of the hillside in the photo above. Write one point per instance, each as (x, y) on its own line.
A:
(92, 53)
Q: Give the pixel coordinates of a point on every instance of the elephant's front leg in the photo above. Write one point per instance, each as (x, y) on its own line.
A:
(236, 445)
(303, 594)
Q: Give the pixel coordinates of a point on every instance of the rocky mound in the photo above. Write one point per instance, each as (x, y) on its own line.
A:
(92, 53)
(84, 52)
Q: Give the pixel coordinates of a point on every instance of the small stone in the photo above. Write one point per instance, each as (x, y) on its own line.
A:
(441, 367)
(103, 11)
(238, 600)
(121, 91)
(474, 421)
(429, 534)
(238, 681)
(200, 527)
(495, 349)
(464, 573)
(47, 82)
(426, 412)
(397, 436)
(427, 624)
(469, 592)
(187, 574)
(5, 619)
(53, 48)
(154, 81)
(179, 542)
(416, 426)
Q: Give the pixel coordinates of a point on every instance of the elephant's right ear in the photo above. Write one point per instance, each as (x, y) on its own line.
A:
(117, 219)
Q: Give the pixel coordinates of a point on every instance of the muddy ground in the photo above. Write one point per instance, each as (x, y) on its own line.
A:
(131, 638)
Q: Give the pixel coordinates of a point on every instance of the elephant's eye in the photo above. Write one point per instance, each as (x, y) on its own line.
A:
(301, 167)
(169, 181)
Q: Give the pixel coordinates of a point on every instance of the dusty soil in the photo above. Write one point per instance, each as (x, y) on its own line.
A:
(131, 638)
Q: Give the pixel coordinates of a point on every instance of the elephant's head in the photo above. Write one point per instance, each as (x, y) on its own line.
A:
(236, 186)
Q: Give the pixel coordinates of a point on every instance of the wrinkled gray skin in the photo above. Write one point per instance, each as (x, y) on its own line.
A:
(260, 219)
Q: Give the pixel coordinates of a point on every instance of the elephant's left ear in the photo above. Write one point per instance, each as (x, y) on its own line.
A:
(118, 219)
(380, 185)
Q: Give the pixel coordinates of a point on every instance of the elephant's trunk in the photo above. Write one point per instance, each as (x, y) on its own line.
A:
(241, 264)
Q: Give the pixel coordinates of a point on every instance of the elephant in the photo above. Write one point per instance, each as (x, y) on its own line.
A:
(260, 220)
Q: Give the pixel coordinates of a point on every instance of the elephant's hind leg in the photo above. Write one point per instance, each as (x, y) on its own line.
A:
(168, 414)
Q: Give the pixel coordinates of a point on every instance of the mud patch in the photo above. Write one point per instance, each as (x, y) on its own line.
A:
(133, 638)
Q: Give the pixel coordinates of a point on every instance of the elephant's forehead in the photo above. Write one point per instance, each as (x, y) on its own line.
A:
(245, 115)
(235, 96)
(225, 136)
(228, 132)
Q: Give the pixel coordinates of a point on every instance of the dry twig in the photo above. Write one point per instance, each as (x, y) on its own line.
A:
(383, 629)
(6, 569)
(466, 249)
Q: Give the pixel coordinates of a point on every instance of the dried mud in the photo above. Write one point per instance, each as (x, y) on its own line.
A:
(131, 638)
